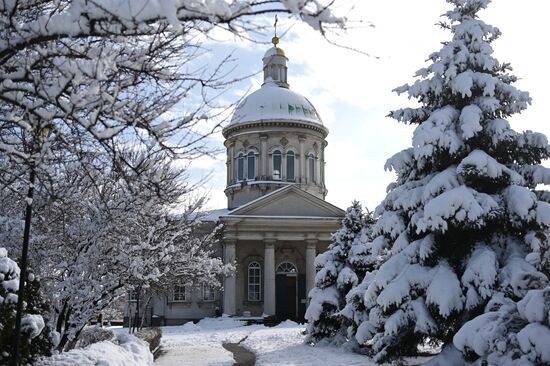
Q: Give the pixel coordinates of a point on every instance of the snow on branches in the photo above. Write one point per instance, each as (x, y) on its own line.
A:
(339, 270)
(462, 231)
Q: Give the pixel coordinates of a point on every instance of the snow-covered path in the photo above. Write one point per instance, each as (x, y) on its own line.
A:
(201, 345)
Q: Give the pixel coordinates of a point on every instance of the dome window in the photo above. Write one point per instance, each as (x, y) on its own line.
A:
(290, 166)
(277, 164)
(311, 167)
(240, 167)
(251, 169)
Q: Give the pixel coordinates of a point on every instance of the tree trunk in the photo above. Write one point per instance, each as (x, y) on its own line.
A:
(23, 268)
(144, 308)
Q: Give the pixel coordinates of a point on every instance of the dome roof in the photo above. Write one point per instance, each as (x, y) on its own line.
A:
(274, 51)
(273, 102)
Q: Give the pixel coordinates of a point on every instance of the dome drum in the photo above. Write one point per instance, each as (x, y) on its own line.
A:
(275, 138)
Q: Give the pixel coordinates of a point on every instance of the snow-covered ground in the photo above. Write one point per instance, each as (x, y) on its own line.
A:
(201, 345)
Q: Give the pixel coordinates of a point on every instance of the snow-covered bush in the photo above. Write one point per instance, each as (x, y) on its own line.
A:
(335, 277)
(462, 233)
(150, 335)
(94, 334)
(125, 349)
(35, 336)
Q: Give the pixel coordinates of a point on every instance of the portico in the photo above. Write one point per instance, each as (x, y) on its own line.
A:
(283, 243)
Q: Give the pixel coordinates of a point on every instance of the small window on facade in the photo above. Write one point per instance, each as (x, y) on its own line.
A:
(240, 167)
(208, 293)
(254, 281)
(180, 293)
(277, 164)
(133, 295)
(311, 165)
(251, 166)
(290, 166)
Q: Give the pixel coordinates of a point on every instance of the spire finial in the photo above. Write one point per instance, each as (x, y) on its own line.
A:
(275, 39)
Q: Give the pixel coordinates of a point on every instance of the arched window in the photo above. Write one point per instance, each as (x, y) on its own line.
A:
(251, 169)
(290, 166)
(277, 164)
(254, 281)
(311, 167)
(240, 167)
(286, 267)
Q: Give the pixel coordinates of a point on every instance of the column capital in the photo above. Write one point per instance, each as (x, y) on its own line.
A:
(229, 242)
(270, 243)
(263, 136)
(311, 243)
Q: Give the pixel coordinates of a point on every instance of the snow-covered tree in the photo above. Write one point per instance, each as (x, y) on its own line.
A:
(334, 279)
(81, 76)
(463, 231)
(36, 336)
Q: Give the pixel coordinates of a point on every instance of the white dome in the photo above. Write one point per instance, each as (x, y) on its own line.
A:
(272, 102)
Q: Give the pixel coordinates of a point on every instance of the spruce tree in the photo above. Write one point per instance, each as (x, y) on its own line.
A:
(463, 230)
(334, 279)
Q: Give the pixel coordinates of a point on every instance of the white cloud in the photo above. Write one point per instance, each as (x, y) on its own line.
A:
(352, 92)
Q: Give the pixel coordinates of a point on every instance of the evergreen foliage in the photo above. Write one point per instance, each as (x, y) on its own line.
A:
(463, 232)
(335, 278)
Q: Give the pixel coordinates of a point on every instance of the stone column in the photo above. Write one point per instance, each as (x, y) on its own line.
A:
(302, 160)
(269, 277)
(263, 156)
(230, 283)
(311, 251)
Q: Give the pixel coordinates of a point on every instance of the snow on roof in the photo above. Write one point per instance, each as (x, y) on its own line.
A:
(213, 215)
(272, 102)
(274, 51)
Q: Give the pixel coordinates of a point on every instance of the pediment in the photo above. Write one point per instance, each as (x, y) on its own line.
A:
(288, 201)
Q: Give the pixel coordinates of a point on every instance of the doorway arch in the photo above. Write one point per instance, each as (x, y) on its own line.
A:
(286, 291)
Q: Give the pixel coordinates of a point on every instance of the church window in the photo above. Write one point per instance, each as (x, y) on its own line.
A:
(286, 267)
(311, 167)
(251, 169)
(208, 293)
(180, 293)
(290, 166)
(277, 164)
(254, 281)
(240, 167)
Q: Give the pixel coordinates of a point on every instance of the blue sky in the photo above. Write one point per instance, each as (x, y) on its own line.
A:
(352, 92)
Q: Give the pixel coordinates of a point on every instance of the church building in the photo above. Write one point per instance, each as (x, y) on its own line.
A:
(278, 219)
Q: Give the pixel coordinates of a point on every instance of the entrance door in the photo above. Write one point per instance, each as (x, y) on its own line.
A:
(286, 292)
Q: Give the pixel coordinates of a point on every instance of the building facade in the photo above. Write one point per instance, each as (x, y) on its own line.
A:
(278, 220)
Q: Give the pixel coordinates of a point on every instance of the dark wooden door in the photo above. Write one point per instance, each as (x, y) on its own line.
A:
(285, 297)
(291, 297)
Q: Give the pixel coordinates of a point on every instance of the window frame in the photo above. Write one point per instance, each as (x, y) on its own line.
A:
(254, 271)
(251, 157)
(311, 167)
(211, 291)
(175, 292)
(276, 154)
(240, 167)
(291, 156)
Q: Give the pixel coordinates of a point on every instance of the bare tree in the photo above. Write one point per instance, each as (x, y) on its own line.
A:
(92, 75)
